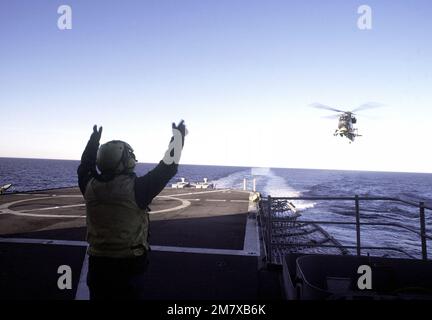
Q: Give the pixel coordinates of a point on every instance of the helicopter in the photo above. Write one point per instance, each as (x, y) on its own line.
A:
(347, 119)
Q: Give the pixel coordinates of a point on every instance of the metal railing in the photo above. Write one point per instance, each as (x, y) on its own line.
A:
(268, 219)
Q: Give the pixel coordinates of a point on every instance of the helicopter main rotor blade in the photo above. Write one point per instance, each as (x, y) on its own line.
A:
(369, 105)
(333, 116)
(323, 106)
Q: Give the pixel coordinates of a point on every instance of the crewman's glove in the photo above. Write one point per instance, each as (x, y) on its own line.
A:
(96, 135)
(172, 155)
(182, 128)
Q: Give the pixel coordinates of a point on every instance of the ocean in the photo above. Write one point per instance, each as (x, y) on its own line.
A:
(36, 174)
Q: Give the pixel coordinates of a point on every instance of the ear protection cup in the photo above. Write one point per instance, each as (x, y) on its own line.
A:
(130, 163)
(129, 157)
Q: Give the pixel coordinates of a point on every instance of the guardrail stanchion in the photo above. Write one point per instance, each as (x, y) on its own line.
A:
(269, 227)
(357, 209)
(423, 231)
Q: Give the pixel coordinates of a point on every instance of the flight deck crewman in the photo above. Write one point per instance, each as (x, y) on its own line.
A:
(117, 212)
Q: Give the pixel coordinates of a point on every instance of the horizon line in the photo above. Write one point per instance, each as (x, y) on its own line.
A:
(241, 166)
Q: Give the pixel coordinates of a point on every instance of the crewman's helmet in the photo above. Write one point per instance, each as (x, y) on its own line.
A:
(115, 157)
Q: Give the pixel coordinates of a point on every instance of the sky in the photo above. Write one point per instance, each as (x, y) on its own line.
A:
(241, 73)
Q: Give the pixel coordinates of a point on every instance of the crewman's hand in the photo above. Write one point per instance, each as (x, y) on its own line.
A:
(172, 155)
(181, 127)
(96, 135)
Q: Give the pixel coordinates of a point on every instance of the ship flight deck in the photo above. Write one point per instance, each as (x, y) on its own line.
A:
(205, 245)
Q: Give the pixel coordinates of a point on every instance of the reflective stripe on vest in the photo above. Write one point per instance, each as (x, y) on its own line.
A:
(116, 226)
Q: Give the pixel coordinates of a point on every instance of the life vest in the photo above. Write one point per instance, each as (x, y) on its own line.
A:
(116, 226)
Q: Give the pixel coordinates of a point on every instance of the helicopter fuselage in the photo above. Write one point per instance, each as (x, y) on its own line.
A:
(345, 126)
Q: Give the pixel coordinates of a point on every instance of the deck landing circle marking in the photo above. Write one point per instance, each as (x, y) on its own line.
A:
(4, 208)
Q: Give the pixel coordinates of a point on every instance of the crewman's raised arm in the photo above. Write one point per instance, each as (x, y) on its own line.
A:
(87, 168)
(150, 185)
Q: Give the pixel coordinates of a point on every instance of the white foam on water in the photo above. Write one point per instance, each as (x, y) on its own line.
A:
(260, 171)
(276, 186)
(234, 180)
(267, 182)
